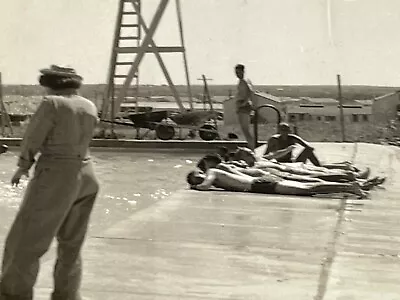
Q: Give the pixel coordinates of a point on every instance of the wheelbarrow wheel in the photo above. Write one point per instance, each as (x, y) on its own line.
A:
(207, 135)
(164, 132)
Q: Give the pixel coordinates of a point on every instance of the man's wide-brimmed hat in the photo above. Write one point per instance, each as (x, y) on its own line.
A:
(61, 71)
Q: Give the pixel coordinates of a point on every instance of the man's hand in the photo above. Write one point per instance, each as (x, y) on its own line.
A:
(17, 176)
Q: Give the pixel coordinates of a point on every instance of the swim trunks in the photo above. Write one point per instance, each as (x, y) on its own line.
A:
(264, 186)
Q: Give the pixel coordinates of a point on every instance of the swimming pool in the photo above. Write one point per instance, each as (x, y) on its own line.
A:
(129, 181)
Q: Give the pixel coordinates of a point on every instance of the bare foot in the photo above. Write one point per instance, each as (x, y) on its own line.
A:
(370, 183)
(356, 189)
(380, 180)
(364, 174)
(364, 195)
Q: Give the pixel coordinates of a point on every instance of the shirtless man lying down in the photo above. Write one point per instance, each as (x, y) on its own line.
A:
(214, 161)
(244, 183)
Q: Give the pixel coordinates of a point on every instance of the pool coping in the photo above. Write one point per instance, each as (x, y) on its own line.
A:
(148, 144)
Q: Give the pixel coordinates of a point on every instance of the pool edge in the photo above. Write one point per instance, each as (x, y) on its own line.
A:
(147, 144)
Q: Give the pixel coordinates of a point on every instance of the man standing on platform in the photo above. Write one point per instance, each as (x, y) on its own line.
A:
(244, 105)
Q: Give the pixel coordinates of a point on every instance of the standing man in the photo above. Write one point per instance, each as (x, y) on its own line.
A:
(59, 199)
(244, 104)
(281, 145)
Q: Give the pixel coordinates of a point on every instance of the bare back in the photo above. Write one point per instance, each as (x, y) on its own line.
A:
(232, 182)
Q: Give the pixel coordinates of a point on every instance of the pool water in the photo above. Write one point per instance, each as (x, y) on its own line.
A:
(130, 181)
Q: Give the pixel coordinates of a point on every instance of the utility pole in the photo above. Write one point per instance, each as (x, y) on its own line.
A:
(5, 117)
(340, 98)
(204, 80)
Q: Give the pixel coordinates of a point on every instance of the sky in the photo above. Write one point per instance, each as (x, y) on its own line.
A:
(281, 42)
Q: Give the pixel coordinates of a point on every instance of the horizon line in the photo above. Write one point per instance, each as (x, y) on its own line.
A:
(184, 85)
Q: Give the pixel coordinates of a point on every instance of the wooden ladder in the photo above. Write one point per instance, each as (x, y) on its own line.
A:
(129, 48)
(126, 38)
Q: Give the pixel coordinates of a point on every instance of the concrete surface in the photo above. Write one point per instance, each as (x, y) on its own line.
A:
(220, 245)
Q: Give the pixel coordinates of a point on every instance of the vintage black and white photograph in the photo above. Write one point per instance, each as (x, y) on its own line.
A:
(199, 149)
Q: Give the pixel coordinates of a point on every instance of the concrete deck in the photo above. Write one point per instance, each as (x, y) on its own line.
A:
(218, 245)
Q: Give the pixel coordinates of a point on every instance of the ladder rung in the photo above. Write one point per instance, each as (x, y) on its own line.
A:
(129, 25)
(124, 63)
(150, 49)
(129, 13)
(128, 37)
(122, 76)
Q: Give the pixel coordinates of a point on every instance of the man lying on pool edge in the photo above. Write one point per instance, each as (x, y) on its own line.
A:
(241, 152)
(237, 182)
(214, 161)
(244, 159)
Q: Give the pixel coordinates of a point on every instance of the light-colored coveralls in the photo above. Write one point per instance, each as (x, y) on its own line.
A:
(58, 200)
(244, 103)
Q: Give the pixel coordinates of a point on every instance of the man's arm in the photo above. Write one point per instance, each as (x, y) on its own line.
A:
(36, 133)
(279, 153)
(273, 151)
(208, 181)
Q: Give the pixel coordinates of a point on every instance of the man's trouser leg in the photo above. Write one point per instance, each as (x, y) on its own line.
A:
(244, 122)
(71, 236)
(47, 200)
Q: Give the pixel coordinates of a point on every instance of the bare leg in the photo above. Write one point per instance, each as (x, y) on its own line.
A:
(295, 177)
(340, 166)
(308, 154)
(307, 170)
(244, 121)
(335, 177)
(288, 187)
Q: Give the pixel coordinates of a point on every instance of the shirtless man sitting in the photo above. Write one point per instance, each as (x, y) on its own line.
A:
(244, 183)
(280, 146)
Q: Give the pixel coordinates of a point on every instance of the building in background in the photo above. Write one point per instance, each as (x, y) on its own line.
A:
(386, 108)
(327, 109)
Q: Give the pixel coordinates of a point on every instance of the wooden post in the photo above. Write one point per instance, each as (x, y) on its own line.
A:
(3, 117)
(204, 80)
(185, 62)
(340, 98)
(160, 60)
